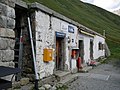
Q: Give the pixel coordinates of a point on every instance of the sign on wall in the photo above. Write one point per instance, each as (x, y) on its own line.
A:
(64, 27)
(60, 34)
(70, 29)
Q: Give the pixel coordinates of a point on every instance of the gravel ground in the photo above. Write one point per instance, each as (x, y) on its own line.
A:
(102, 77)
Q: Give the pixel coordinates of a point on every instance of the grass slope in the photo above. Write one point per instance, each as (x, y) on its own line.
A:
(92, 17)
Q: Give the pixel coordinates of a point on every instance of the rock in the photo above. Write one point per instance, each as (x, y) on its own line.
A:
(7, 11)
(47, 86)
(8, 33)
(3, 21)
(54, 88)
(10, 64)
(10, 23)
(3, 9)
(27, 87)
(10, 12)
(16, 85)
(41, 88)
(59, 85)
(31, 77)
(10, 3)
(11, 43)
(3, 44)
(7, 55)
(24, 81)
(6, 43)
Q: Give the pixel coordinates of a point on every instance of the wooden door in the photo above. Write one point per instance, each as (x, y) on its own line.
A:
(58, 53)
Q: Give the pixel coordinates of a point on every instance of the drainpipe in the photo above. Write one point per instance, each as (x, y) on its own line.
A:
(34, 58)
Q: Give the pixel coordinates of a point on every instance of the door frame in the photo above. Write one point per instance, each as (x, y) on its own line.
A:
(61, 36)
(81, 49)
(91, 49)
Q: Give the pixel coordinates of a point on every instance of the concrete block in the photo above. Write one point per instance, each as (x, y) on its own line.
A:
(8, 33)
(7, 55)
(24, 81)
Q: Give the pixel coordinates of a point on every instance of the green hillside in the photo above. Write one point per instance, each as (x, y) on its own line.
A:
(92, 17)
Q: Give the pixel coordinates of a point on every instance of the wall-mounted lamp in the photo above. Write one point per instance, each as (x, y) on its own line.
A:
(68, 39)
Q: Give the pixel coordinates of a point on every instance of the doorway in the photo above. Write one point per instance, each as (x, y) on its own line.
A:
(81, 50)
(59, 53)
(91, 49)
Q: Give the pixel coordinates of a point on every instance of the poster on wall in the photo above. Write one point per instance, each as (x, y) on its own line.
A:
(64, 27)
(70, 29)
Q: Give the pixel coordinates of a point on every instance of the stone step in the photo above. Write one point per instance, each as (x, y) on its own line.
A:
(61, 75)
(85, 69)
(69, 79)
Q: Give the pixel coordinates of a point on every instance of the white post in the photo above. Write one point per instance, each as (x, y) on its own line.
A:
(33, 53)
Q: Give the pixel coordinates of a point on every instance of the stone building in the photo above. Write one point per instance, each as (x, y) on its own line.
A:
(64, 39)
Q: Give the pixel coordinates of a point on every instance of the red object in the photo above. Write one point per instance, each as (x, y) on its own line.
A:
(79, 63)
(73, 53)
(92, 62)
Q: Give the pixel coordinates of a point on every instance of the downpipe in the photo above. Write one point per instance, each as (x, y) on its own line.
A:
(33, 54)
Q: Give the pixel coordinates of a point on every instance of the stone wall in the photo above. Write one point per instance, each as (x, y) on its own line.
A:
(7, 35)
(46, 26)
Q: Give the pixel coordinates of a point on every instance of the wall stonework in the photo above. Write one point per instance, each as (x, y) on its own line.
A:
(46, 28)
(10, 3)
(7, 35)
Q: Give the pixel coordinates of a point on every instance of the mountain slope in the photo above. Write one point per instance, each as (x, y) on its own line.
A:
(92, 17)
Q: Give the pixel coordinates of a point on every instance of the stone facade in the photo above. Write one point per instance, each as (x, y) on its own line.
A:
(46, 38)
(45, 24)
(7, 35)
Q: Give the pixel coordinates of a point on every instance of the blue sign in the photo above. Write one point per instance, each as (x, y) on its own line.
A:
(60, 34)
(70, 29)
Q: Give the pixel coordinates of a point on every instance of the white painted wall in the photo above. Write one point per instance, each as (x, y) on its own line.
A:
(86, 40)
(45, 38)
(96, 52)
(45, 28)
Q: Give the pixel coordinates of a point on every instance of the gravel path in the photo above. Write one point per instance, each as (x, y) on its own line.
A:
(102, 77)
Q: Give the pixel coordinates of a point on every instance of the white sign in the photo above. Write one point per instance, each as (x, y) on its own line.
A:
(64, 27)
